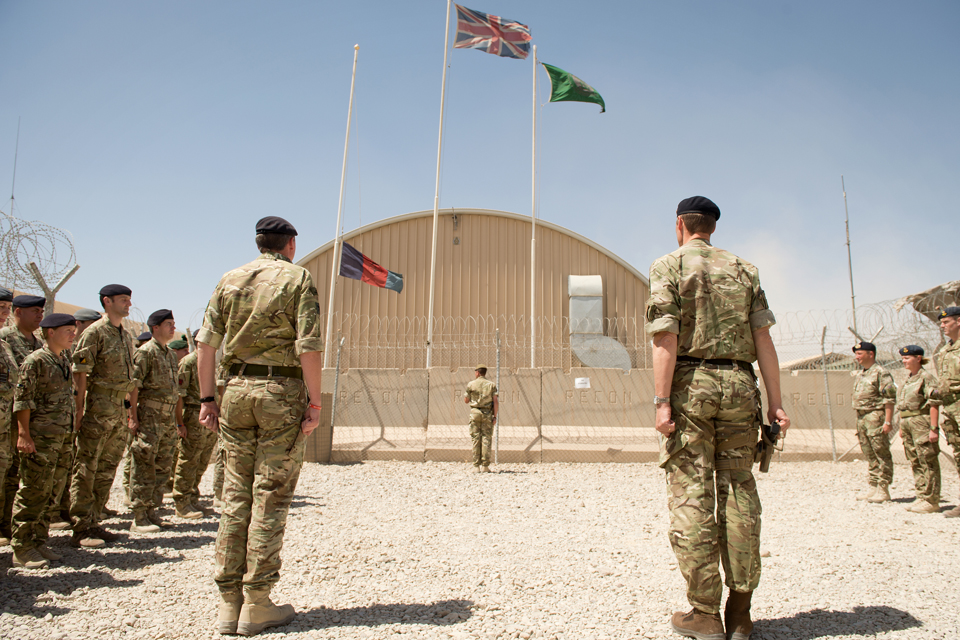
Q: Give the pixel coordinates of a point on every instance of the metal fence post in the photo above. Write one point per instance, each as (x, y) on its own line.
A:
(826, 386)
(496, 427)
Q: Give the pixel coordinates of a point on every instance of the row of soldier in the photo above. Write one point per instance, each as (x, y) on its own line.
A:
(71, 403)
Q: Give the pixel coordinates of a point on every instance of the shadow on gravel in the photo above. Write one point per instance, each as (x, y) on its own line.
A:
(24, 594)
(114, 557)
(820, 623)
(305, 501)
(443, 613)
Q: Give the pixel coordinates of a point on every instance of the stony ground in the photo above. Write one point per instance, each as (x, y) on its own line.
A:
(565, 551)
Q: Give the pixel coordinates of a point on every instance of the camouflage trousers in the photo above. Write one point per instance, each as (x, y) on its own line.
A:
(263, 452)
(875, 445)
(481, 433)
(218, 470)
(151, 454)
(8, 449)
(11, 483)
(194, 456)
(951, 428)
(60, 498)
(712, 494)
(924, 457)
(99, 447)
(38, 473)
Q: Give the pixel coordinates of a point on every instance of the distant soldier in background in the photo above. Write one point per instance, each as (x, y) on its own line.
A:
(180, 348)
(918, 402)
(191, 462)
(143, 338)
(948, 369)
(481, 395)
(874, 394)
(9, 371)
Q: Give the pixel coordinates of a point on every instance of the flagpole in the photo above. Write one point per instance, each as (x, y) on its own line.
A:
(335, 261)
(533, 225)
(436, 193)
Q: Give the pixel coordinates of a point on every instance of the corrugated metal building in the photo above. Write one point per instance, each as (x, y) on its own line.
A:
(482, 291)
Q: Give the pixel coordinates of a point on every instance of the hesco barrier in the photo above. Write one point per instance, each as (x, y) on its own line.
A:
(549, 415)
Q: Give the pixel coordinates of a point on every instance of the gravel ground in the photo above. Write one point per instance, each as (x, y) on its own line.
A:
(566, 551)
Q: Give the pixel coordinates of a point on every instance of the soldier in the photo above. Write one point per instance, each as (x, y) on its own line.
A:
(153, 422)
(190, 463)
(874, 394)
(27, 314)
(918, 402)
(948, 369)
(8, 383)
(103, 374)
(481, 395)
(44, 408)
(180, 348)
(266, 316)
(709, 321)
(144, 338)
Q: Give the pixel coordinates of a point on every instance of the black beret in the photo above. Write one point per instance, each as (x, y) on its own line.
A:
(159, 316)
(115, 290)
(143, 337)
(178, 344)
(6, 295)
(195, 332)
(950, 311)
(911, 350)
(24, 302)
(864, 346)
(699, 204)
(55, 320)
(87, 315)
(275, 224)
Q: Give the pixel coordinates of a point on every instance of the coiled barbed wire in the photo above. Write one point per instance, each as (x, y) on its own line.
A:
(26, 241)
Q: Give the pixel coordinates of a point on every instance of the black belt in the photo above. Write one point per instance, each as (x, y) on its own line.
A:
(265, 371)
(717, 363)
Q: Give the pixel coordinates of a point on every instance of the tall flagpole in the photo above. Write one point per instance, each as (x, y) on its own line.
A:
(335, 261)
(533, 226)
(436, 194)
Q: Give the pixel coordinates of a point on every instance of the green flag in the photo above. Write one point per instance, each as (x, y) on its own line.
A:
(566, 86)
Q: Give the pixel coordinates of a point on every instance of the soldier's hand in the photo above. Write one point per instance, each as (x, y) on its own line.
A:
(26, 445)
(311, 421)
(133, 424)
(887, 427)
(934, 436)
(77, 419)
(665, 423)
(779, 416)
(210, 416)
(182, 431)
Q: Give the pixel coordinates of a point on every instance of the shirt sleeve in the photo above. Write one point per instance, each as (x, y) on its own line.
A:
(141, 367)
(887, 388)
(309, 338)
(85, 355)
(184, 378)
(24, 397)
(760, 314)
(663, 306)
(931, 393)
(213, 329)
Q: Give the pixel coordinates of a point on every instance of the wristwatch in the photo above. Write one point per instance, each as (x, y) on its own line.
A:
(660, 400)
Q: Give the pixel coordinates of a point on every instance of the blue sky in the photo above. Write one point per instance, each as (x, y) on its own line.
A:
(158, 133)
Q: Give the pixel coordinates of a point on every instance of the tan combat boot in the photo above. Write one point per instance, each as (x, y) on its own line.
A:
(736, 615)
(142, 524)
(29, 559)
(485, 468)
(922, 506)
(952, 513)
(869, 494)
(186, 510)
(230, 604)
(155, 518)
(195, 503)
(699, 625)
(259, 613)
(48, 553)
(882, 495)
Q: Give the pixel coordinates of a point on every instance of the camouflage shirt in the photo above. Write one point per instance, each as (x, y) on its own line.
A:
(266, 312)
(155, 373)
(948, 370)
(711, 299)
(105, 353)
(873, 388)
(918, 393)
(480, 392)
(188, 380)
(21, 346)
(46, 389)
(8, 371)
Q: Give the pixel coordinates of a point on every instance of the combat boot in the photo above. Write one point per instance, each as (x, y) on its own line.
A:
(869, 494)
(195, 503)
(29, 559)
(154, 517)
(86, 539)
(60, 522)
(736, 615)
(259, 613)
(230, 604)
(103, 534)
(47, 553)
(186, 510)
(4, 541)
(485, 468)
(142, 524)
(882, 495)
(952, 513)
(699, 625)
(107, 513)
(922, 506)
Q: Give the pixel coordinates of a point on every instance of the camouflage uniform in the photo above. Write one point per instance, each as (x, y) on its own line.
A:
(46, 389)
(195, 449)
(713, 301)
(105, 353)
(948, 370)
(9, 374)
(481, 392)
(872, 390)
(914, 400)
(266, 314)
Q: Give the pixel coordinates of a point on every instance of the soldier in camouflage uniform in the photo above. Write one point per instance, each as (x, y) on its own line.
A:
(481, 395)
(27, 314)
(44, 408)
(266, 316)
(103, 373)
(874, 394)
(191, 463)
(918, 402)
(8, 382)
(709, 321)
(948, 370)
(153, 422)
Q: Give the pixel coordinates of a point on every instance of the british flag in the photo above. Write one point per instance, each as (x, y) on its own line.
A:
(493, 34)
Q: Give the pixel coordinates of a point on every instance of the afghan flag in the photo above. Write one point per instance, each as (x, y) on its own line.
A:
(493, 34)
(568, 87)
(357, 266)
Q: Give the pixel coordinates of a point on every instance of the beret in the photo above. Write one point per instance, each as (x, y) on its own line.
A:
(24, 302)
(6, 295)
(911, 350)
(275, 224)
(950, 311)
(178, 344)
(159, 316)
(55, 320)
(480, 366)
(699, 204)
(864, 346)
(143, 337)
(195, 332)
(87, 315)
(115, 290)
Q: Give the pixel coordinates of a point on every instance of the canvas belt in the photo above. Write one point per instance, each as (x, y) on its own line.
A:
(717, 363)
(155, 404)
(863, 412)
(911, 413)
(265, 371)
(110, 393)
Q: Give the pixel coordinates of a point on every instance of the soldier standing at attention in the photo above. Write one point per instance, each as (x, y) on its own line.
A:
(186, 495)
(153, 422)
(918, 401)
(8, 383)
(948, 369)
(266, 316)
(44, 408)
(874, 394)
(709, 321)
(481, 395)
(103, 374)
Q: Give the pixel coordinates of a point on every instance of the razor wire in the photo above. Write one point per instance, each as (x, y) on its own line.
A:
(23, 242)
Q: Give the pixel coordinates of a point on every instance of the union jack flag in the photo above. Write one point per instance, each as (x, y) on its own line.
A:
(493, 34)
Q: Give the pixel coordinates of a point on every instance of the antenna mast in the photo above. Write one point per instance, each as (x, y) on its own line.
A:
(16, 151)
(846, 211)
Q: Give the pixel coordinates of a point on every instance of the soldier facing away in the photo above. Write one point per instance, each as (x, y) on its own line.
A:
(948, 370)
(709, 320)
(874, 394)
(481, 395)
